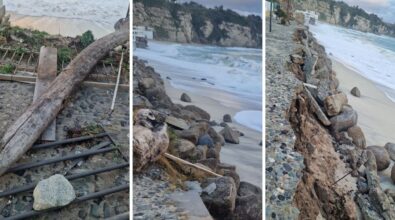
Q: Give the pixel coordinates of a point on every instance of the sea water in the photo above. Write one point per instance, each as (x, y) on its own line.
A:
(102, 11)
(235, 71)
(371, 55)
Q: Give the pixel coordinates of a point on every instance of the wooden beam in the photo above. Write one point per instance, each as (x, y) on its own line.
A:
(22, 134)
(179, 160)
(46, 73)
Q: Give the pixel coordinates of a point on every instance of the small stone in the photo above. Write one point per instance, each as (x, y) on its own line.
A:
(355, 92)
(185, 98)
(95, 211)
(55, 191)
(227, 118)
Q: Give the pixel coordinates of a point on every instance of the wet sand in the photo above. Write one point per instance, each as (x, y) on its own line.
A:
(375, 111)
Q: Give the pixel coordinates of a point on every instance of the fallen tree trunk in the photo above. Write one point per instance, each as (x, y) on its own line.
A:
(30, 125)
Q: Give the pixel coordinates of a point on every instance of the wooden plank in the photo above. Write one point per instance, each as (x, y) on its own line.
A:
(32, 80)
(46, 73)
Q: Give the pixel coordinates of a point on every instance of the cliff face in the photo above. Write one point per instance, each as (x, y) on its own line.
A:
(192, 23)
(339, 13)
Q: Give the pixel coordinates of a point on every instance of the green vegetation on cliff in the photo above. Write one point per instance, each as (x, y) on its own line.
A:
(201, 15)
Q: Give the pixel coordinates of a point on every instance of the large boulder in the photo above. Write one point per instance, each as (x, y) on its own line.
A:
(355, 92)
(177, 122)
(147, 83)
(185, 98)
(212, 163)
(53, 192)
(227, 118)
(382, 157)
(220, 200)
(334, 103)
(230, 135)
(217, 138)
(194, 132)
(357, 136)
(141, 102)
(183, 149)
(390, 147)
(345, 120)
(248, 202)
(203, 114)
(206, 140)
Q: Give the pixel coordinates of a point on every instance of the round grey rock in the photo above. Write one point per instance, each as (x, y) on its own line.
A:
(382, 157)
(185, 98)
(227, 118)
(355, 92)
(55, 191)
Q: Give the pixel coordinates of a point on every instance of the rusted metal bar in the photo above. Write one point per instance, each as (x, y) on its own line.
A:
(58, 159)
(123, 216)
(68, 141)
(31, 186)
(30, 214)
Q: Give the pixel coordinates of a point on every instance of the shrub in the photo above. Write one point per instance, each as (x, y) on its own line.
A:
(87, 38)
(7, 69)
(64, 55)
(20, 50)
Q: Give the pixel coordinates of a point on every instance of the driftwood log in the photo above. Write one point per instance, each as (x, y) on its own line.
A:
(21, 135)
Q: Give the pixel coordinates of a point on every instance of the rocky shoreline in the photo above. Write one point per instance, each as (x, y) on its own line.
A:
(192, 138)
(322, 168)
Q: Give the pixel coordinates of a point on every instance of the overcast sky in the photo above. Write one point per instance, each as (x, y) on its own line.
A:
(242, 6)
(383, 8)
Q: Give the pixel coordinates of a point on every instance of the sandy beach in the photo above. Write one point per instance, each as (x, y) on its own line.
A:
(247, 156)
(375, 112)
(64, 26)
(375, 109)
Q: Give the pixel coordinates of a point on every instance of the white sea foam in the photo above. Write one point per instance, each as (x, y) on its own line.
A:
(234, 75)
(237, 70)
(251, 119)
(373, 56)
(102, 11)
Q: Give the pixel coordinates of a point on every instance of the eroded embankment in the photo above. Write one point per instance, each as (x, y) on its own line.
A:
(340, 178)
(317, 194)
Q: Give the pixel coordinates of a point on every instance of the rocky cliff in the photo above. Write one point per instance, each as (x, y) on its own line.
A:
(339, 13)
(193, 23)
